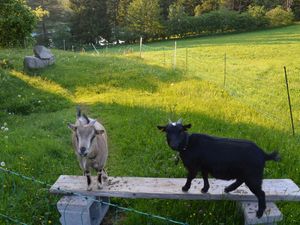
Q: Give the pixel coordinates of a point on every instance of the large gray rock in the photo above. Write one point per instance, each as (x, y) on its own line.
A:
(32, 62)
(42, 52)
(43, 58)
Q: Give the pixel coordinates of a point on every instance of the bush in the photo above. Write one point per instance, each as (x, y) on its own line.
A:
(215, 22)
(259, 14)
(17, 21)
(279, 17)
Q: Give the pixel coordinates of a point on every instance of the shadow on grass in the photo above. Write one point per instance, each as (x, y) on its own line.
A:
(19, 97)
(99, 74)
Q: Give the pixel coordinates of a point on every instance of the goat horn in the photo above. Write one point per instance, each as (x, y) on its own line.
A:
(86, 118)
(78, 112)
(170, 121)
(180, 120)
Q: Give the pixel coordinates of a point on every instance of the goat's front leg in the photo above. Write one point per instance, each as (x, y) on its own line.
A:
(191, 175)
(101, 176)
(206, 183)
(89, 180)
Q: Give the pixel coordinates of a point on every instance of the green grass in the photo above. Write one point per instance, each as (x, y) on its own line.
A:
(131, 96)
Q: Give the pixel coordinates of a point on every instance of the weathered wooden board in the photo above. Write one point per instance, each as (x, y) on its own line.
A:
(170, 188)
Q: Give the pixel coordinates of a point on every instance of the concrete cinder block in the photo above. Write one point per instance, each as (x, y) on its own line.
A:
(77, 210)
(272, 214)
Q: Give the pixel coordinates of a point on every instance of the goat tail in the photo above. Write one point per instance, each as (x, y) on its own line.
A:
(273, 156)
(78, 114)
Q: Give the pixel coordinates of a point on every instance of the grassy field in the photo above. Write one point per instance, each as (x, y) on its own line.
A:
(131, 96)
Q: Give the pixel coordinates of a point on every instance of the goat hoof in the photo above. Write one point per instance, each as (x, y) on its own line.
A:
(185, 189)
(259, 213)
(89, 188)
(204, 190)
(100, 186)
(104, 178)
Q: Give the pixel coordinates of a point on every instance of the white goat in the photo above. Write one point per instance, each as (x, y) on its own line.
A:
(89, 140)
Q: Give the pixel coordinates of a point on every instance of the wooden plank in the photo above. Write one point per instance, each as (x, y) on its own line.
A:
(271, 215)
(170, 188)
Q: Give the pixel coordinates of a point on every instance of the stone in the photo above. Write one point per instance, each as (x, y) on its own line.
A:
(42, 52)
(43, 58)
(31, 62)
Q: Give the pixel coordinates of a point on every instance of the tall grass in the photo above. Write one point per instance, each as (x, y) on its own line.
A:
(131, 96)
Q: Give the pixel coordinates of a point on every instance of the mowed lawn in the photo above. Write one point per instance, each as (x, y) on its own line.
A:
(131, 95)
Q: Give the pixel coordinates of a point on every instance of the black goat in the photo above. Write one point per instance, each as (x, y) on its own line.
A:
(223, 158)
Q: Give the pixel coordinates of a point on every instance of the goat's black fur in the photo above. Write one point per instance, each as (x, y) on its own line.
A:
(223, 158)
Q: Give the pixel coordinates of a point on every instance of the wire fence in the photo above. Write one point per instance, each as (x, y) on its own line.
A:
(118, 209)
(259, 85)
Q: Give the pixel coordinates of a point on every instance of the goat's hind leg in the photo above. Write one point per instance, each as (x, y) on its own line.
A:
(255, 188)
(233, 186)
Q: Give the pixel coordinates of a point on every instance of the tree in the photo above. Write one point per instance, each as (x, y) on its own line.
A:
(176, 11)
(238, 5)
(188, 6)
(17, 22)
(268, 4)
(55, 14)
(165, 5)
(207, 6)
(296, 9)
(122, 12)
(144, 18)
(90, 20)
(279, 17)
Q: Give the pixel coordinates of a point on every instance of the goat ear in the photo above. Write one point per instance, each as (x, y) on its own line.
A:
(99, 131)
(187, 126)
(72, 126)
(162, 128)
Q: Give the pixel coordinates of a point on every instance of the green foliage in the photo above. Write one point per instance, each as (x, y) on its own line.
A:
(215, 22)
(176, 11)
(207, 6)
(17, 22)
(122, 12)
(259, 14)
(144, 18)
(40, 13)
(90, 20)
(62, 38)
(269, 4)
(6, 64)
(256, 11)
(189, 6)
(124, 33)
(296, 9)
(279, 17)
